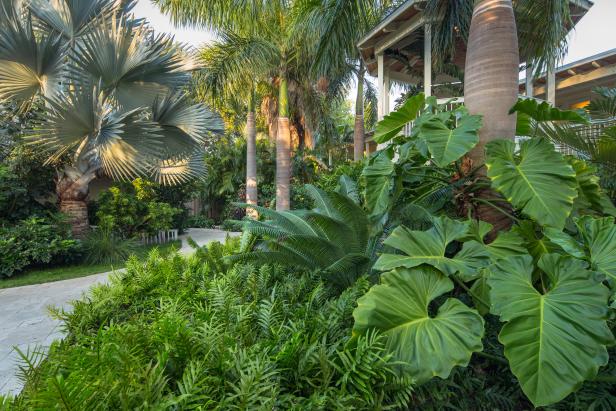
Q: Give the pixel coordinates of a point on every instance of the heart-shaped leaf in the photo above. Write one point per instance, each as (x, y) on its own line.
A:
(378, 177)
(429, 345)
(429, 247)
(556, 340)
(538, 181)
(448, 145)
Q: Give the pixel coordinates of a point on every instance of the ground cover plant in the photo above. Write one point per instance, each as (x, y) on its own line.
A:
(199, 333)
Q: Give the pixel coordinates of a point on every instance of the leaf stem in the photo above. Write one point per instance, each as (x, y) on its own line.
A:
(468, 290)
(492, 357)
(605, 378)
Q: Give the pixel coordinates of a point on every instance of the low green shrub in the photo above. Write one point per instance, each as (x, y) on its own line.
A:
(200, 221)
(36, 240)
(196, 333)
(133, 209)
(102, 246)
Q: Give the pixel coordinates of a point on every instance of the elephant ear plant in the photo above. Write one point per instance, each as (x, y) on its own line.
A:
(112, 91)
(549, 281)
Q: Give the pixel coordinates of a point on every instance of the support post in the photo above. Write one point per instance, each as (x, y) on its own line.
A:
(529, 81)
(380, 59)
(551, 85)
(427, 60)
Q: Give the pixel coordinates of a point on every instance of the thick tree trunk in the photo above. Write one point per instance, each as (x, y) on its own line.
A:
(251, 164)
(283, 151)
(491, 85)
(358, 131)
(72, 188)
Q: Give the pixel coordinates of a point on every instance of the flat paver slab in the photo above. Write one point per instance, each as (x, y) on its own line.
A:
(25, 321)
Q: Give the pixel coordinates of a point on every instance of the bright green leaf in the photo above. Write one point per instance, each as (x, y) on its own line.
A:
(429, 247)
(447, 145)
(378, 176)
(538, 181)
(430, 345)
(395, 121)
(553, 341)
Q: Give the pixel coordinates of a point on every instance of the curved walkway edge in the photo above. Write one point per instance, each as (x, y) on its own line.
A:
(25, 322)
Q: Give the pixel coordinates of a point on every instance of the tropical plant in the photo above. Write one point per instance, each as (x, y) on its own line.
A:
(112, 92)
(189, 333)
(36, 240)
(550, 279)
(334, 238)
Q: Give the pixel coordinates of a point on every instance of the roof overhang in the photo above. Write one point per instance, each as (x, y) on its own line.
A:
(396, 32)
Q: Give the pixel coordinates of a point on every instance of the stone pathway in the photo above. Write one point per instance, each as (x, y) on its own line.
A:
(25, 322)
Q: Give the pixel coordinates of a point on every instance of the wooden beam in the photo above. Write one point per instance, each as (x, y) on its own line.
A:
(391, 39)
(597, 74)
(596, 64)
(572, 72)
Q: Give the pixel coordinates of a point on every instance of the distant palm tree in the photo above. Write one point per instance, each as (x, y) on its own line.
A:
(336, 26)
(112, 91)
(261, 37)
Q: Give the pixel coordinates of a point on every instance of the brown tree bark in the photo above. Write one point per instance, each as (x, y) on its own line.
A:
(251, 164)
(72, 187)
(491, 87)
(283, 165)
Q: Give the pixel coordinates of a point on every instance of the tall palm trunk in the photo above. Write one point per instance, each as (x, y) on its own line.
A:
(358, 131)
(283, 150)
(72, 187)
(251, 159)
(491, 85)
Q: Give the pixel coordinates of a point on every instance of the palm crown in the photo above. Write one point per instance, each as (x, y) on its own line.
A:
(113, 89)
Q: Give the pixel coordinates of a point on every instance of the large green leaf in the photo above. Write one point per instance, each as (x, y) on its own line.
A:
(395, 121)
(531, 114)
(507, 243)
(599, 237)
(431, 345)
(429, 247)
(378, 176)
(590, 194)
(538, 181)
(556, 340)
(447, 145)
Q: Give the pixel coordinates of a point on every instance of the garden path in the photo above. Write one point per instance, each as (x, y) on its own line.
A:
(25, 322)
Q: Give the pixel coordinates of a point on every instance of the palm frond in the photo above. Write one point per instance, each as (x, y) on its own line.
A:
(131, 65)
(178, 170)
(29, 63)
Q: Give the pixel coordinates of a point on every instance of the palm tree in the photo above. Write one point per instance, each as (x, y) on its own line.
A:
(335, 27)
(262, 35)
(113, 96)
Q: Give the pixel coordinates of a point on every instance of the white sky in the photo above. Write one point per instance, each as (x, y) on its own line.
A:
(595, 33)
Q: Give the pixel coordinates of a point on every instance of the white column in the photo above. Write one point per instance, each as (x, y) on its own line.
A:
(551, 86)
(427, 60)
(386, 87)
(529, 81)
(380, 85)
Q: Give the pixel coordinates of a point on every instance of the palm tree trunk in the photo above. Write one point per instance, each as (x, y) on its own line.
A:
(283, 151)
(251, 163)
(72, 188)
(358, 131)
(491, 85)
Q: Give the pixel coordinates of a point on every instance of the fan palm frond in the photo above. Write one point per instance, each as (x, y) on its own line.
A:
(174, 171)
(29, 63)
(604, 107)
(71, 18)
(186, 126)
(131, 65)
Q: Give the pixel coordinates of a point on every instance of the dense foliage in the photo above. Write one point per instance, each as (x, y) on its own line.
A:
(133, 209)
(196, 333)
(33, 241)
